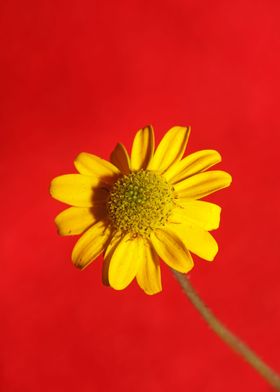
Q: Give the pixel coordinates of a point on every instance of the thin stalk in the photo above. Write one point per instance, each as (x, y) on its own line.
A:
(226, 335)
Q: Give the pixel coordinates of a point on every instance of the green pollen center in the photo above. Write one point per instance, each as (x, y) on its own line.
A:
(140, 202)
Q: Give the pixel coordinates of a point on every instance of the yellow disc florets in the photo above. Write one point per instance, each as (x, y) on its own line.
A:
(140, 202)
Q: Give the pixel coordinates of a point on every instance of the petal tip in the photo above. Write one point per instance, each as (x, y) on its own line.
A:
(77, 160)
(228, 179)
(151, 293)
(53, 188)
(214, 254)
(77, 263)
(184, 269)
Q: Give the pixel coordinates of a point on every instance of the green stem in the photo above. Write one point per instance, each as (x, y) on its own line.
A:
(226, 335)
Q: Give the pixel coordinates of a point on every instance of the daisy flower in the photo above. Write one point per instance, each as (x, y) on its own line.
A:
(141, 208)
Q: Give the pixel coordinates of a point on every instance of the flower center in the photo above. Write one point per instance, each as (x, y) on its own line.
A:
(140, 202)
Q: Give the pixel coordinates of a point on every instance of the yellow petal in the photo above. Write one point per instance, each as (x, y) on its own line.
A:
(171, 250)
(91, 244)
(107, 258)
(74, 220)
(148, 276)
(77, 190)
(142, 148)
(202, 184)
(170, 149)
(201, 213)
(91, 165)
(120, 158)
(125, 261)
(197, 240)
(192, 164)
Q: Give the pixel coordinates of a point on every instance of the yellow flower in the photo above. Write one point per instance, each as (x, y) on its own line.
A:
(139, 209)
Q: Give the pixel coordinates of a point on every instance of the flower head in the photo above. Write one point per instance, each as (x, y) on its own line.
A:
(140, 209)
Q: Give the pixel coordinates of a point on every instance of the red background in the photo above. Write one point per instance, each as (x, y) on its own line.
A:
(81, 76)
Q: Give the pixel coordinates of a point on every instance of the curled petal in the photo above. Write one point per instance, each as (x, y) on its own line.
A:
(91, 165)
(192, 164)
(202, 184)
(91, 244)
(149, 276)
(116, 238)
(120, 158)
(125, 261)
(197, 240)
(142, 148)
(171, 250)
(170, 149)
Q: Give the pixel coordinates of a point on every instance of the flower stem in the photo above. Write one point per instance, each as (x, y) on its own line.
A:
(226, 335)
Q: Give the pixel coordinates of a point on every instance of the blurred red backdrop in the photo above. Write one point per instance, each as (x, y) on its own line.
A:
(81, 76)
